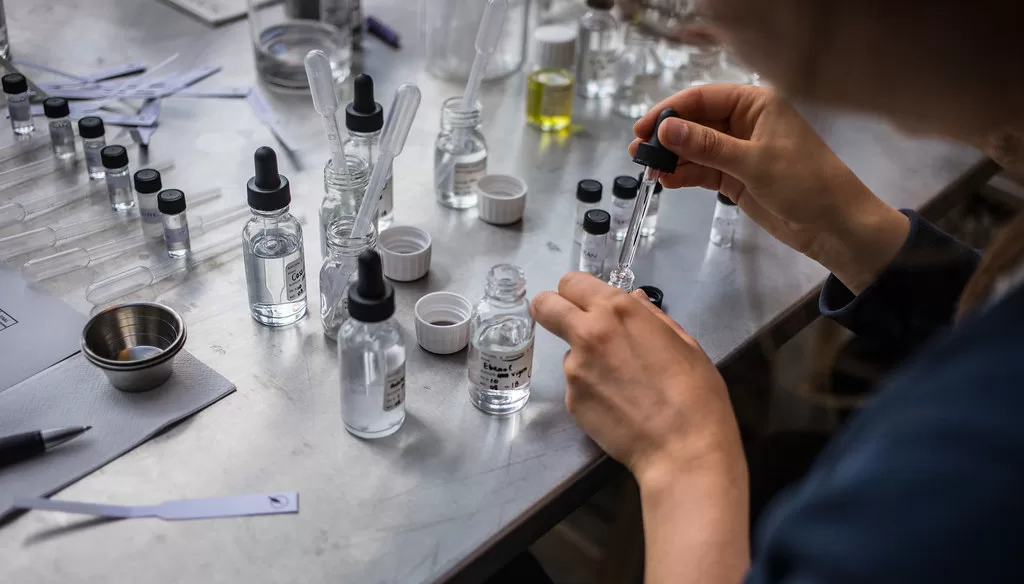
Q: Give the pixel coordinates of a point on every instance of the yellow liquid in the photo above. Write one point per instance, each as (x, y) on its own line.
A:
(549, 95)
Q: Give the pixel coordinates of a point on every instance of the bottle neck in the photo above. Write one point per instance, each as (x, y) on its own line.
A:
(453, 118)
(268, 216)
(357, 179)
(340, 244)
(505, 283)
(364, 138)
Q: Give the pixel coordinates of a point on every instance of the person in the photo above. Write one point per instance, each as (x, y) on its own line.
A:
(924, 484)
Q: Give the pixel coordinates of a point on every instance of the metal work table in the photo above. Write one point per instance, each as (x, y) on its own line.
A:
(454, 491)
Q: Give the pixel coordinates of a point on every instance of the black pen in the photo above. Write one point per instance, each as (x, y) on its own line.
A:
(18, 447)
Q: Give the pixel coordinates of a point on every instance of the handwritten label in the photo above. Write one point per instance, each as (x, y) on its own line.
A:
(394, 392)
(295, 276)
(501, 371)
(467, 174)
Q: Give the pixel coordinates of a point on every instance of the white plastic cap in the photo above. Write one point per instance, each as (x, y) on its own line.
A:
(554, 46)
(501, 198)
(442, 322)
(405, 252)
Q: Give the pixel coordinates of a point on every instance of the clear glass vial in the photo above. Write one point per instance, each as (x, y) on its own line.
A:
(600, 45)
(93, 134)
(623, 199)
(588, 196)
(275, 267)
(501, 343)
(342, 196)
(460, 155)
(148, 185)
(723, 224)
(175, 222)
(62, 134)
(364, 119)
(119, 181)
(637, 73)
(549, 87)
(650, 223)
(594, 248)
(372, 355)
(18, 107)
(338, 270)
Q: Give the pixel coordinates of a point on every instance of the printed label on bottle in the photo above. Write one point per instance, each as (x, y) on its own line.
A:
(176, 237)
(295, 275)
(466, 175)
(622, 211)
(592, 253)
(394, 393)
(503, 371)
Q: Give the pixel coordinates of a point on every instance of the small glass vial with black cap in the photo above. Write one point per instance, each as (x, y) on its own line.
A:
(594, 248)
(175, 222)
(588, 196)
(90, 129)
(372, 355)
(18, 107)
(62, 134)
(119, 181)
(623, 198)
(275, 267)
(364, 119)
(723, 224)
(147, 187)
(650, 223)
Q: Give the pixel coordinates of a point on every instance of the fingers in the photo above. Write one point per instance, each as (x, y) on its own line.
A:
(689, 174)
(555, 313)
(584, 290)
(707, 147)
(704, 104)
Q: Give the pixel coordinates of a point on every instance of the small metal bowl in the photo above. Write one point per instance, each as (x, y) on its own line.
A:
(134, 344)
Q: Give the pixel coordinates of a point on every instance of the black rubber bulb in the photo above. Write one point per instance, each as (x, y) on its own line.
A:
(371, 276)
(651, 153)
(372, 299)
(267, 177)
(363, 101)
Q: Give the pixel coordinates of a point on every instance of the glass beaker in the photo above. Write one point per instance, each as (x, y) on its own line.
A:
(450, 28)
(280, 45)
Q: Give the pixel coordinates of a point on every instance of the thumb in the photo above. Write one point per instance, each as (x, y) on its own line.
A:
(706, 147)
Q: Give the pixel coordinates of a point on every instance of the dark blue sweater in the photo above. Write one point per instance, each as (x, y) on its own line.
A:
(926, 483)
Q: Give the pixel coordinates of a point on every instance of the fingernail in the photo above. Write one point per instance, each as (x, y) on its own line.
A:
(675, 132)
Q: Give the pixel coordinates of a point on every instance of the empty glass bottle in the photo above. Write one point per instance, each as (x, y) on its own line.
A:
(501, 343)
(342, 196)
(372, 355)
(600, 43)
(338, 270)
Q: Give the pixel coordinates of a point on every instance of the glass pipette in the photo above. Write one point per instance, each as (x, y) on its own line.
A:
(659, 161)
(392, 140)
(30, 208)
(61, 233)
(33, 170)
(487, 37)
(141, 276)
(77, 258)
(325, 102)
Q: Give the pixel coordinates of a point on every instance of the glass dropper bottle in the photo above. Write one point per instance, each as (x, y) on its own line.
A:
(658, 161)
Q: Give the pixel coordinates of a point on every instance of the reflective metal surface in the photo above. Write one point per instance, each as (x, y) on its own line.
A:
(453, 483)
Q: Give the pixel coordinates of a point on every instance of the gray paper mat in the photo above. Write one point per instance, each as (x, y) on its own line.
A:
(75, 393)
(36, 329)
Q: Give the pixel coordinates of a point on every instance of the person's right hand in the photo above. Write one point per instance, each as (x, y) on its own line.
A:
(749, 144)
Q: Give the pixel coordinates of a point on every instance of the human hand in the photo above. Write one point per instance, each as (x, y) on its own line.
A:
(749, 144)
(637, 383)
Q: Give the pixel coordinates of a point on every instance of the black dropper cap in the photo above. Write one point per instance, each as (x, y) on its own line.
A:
(267, 190)
(652, 154)
(148, 181)
(56, 107)
(597, 222)
(589, 190)
(654, 294)
(625, 187)
(114, 156)
(601, 4)
(14, 83)
(372, 299)
(90, 127)
(363, 114)
(725, 200)
(657, 186)
(171, 202)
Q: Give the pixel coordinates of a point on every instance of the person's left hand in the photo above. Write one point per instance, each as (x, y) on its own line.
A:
(637, 383)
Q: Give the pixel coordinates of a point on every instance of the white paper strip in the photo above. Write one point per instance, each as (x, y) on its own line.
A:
(243, 505)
